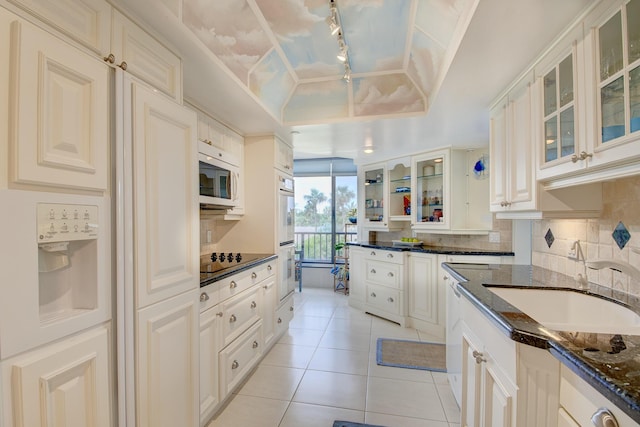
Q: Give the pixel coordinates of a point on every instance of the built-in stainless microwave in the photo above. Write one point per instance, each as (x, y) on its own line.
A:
(218, 182)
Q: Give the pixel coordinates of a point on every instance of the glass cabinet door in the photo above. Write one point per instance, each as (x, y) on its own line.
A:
(429, 206)
(400, 192)
(619, 73)
(374, 195)
(559, 117)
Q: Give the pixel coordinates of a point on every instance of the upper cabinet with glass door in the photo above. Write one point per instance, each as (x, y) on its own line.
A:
(608, 100)
(451, 192)
(400, 189)
(373, 184)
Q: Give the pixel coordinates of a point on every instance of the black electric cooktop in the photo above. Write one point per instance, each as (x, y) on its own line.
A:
(219, 262)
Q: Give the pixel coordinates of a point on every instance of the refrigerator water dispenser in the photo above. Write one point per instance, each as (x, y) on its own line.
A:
(67, 260)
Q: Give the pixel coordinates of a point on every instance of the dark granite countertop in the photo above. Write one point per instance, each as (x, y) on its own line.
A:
(206, 278)
(615, 374)
(443, 250)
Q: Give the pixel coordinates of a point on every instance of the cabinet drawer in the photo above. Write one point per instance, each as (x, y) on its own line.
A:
(284, 314)
(395, 257)
(384, 298)
(239, 357)
(384, 273)
(240, 312)
(237, 283)
(209, 296)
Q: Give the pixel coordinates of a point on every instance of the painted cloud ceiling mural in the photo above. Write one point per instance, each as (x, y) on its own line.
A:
(283, 52)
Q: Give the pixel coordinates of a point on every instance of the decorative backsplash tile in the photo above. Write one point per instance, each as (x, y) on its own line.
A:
(549, 238)
(621, 235)
(608, 237)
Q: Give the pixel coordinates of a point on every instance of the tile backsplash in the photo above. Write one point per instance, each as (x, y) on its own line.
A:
(621, 204)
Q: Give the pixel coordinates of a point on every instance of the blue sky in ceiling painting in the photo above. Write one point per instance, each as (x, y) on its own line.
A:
(298, 78)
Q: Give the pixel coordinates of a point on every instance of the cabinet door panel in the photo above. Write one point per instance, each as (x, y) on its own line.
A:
(61, 113)
(66, 384)
(167, 363)
(498, 401)
(165, 202)
(498, 150)
(471, 382)
(269, 300)
(424, 296)
(86, 21)
(145, 57)
(521, 152)
(209, 377)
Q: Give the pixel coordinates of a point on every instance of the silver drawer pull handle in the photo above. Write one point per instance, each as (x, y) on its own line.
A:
(253, 304)
(204, 297)
(291, 308)
(479, 357)
(279, 320)
(373, 294)
(254, 275)
(219, 314)
(390, 274)
(445, 278)
(233, 285)
(604, 418)
(266, 287)
(373, 253)
(373, 271)
(389, 255)
(255, 344)
(232, 318)
(235, 364)
(269, 267)
(390, 299)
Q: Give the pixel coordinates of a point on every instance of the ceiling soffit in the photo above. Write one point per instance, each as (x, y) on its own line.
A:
(283, 52)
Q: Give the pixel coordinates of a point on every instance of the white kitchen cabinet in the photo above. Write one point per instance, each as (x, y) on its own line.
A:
(240, 312)
(238, 358)
(504, 383)
(114, 38)
(140, 54)
(283, 316)
(384, 288)
(167, 362)
(560, 134)
(373, 212)
(356, 277)
(399, 199)
(66, 144)
(269, 303)
(580, 401)
(164, 139)
(515, 192)
(489, 393)
(450, 190)
(426, 299)
(210, 344)
(86, 21)
(67, 383)
(283, 156)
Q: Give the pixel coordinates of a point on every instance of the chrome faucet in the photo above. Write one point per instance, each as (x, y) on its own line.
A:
(581, 278)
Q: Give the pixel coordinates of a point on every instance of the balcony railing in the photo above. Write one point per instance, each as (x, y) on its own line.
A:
(318, 247)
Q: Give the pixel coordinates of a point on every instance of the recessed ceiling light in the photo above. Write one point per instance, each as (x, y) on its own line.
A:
(368, 150)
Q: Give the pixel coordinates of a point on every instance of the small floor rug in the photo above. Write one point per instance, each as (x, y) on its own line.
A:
(411, 354)
(350, 424)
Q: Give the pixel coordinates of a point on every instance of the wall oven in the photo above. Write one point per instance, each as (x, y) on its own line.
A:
(286, 210)
(218, 181)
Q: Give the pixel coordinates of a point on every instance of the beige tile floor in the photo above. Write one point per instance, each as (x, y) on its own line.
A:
(324, 369)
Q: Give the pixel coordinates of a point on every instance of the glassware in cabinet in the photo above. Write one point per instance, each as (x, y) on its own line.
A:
(429, 191)
(400, 191)
(374, 195)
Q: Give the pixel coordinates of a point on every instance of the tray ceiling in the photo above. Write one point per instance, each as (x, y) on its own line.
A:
(283, 52)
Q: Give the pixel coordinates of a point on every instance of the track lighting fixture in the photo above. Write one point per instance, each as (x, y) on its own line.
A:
(335, 26)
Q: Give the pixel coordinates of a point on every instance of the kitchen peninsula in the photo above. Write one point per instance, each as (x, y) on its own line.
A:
(607, 362)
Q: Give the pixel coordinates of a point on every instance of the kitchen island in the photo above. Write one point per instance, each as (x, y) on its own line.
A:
(609, 362)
